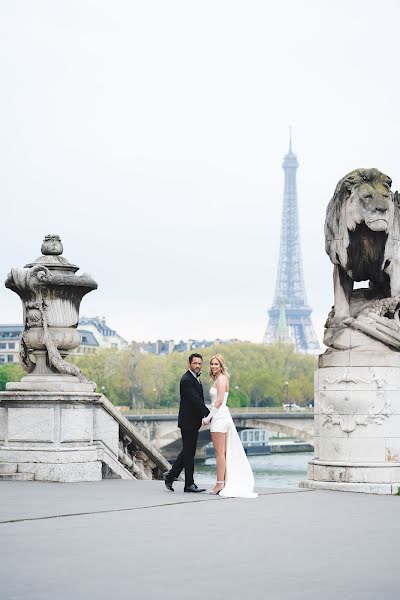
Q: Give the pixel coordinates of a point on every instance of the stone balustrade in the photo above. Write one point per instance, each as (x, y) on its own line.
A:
(71, 436)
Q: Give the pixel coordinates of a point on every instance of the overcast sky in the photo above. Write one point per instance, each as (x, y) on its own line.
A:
(150, 136)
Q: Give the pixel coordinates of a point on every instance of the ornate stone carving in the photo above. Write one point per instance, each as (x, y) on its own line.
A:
(347, 378)
(362, 233)
(51, 293)
(347, 417)
(64, 431)
(349, 422)
(52, 246)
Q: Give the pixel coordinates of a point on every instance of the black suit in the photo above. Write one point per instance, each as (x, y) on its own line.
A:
(191, 411)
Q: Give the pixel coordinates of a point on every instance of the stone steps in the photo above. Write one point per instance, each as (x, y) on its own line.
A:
(17, 476)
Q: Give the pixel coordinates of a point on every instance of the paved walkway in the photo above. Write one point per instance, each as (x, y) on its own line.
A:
(122, 539)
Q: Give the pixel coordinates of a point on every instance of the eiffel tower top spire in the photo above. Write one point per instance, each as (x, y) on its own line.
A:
(290, 158)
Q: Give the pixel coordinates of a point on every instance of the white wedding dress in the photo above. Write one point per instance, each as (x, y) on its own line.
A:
(239, 478)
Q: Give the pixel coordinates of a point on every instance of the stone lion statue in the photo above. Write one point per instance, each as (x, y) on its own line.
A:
(362, 239)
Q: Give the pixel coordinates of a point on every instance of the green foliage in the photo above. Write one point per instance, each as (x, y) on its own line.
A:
(10, 372)
(258, 375)
(398, 492)
(113, 372)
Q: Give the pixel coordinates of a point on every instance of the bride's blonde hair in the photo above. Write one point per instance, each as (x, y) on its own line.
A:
(224, 368)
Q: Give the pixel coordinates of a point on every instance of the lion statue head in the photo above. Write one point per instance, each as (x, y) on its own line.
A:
(363, 203)
(362, 239)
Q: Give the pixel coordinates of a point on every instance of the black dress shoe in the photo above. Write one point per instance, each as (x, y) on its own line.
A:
(168, 483)
(194, 489)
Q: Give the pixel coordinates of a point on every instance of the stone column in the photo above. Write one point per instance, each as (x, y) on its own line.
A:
(357, 423)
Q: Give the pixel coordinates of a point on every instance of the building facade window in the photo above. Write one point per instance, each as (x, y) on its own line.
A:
(10, 358)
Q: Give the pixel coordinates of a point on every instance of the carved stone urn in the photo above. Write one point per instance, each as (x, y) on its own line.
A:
(51, 294)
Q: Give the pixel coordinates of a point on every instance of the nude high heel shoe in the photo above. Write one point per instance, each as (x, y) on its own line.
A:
(215, 492)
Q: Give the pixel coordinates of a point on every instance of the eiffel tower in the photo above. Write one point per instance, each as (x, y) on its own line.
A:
(290, 304)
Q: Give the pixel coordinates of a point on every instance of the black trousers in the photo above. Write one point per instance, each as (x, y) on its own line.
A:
(185, 458)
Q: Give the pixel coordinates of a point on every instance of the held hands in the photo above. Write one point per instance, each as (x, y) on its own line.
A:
(206, 420)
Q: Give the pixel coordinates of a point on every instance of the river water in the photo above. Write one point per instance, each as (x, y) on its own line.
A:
(272, 470)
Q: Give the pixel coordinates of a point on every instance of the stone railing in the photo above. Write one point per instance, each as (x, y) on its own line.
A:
(71, 436)
(135, 453)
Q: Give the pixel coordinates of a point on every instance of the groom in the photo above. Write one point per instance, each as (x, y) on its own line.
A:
(191, 411)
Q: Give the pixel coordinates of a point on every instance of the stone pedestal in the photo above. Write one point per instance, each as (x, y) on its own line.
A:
(57, 437)
(357, 423)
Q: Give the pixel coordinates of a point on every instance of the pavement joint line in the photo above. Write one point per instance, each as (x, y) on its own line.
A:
(132, 508)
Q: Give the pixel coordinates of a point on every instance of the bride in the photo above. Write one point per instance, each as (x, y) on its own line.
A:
(234, 475)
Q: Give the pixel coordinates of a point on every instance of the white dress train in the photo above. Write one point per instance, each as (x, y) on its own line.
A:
(239, 478)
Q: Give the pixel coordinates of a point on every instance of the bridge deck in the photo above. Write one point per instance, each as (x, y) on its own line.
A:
(116, 539)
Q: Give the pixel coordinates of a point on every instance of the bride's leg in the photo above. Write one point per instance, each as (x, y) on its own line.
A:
(219, 441)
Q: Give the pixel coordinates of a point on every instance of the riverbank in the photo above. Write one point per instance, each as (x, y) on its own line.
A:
(284, 447)
(273, 447)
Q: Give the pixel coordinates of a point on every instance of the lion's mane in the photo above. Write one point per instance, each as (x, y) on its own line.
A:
(337, 236)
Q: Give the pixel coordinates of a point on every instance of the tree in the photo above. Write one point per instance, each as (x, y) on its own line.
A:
(111, 370)
(10, 372)
(258, 374)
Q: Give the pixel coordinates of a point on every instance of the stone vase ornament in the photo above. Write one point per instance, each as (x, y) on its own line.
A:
(53, 426)
(51, 294)
(357, 383)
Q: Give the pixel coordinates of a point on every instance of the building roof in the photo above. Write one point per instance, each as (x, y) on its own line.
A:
(14, 331)
(87, 338)
(100, 324)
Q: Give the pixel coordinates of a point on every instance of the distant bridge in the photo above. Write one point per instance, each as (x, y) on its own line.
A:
(160, 426)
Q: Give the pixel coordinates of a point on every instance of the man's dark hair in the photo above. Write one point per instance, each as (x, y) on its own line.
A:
(194, 355)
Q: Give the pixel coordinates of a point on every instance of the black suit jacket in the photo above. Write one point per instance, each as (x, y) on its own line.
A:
(192, 408)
